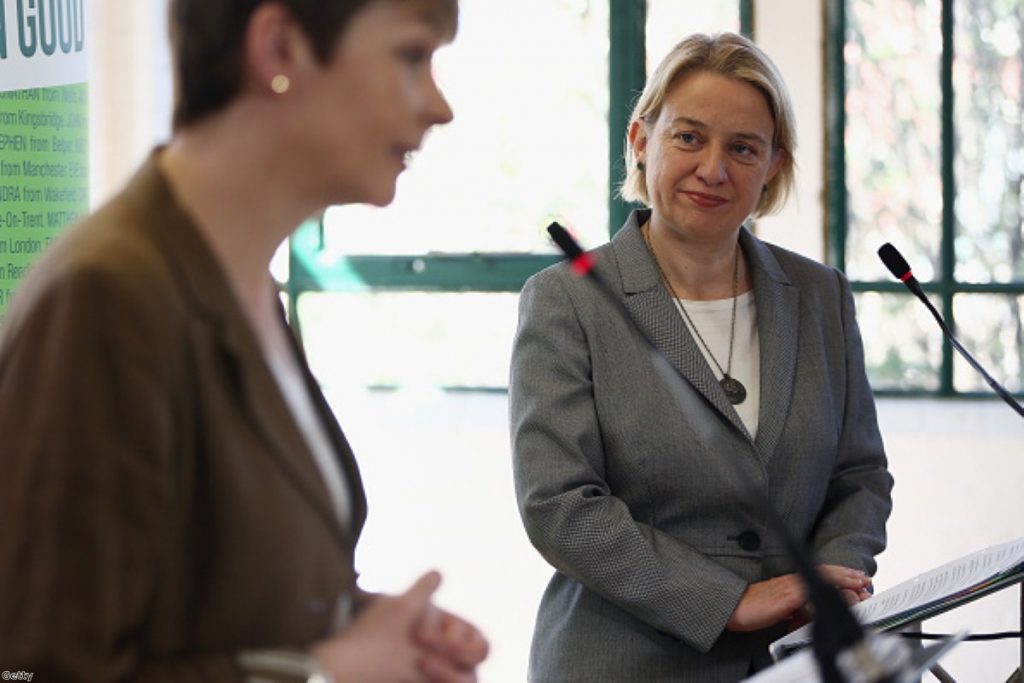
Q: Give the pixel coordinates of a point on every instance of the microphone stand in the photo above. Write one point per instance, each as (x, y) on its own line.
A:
(842, 650)
(899, 267)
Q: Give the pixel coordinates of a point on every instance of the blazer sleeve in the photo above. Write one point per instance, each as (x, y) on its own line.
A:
(850, 529)
(87, 425)
(568, 508)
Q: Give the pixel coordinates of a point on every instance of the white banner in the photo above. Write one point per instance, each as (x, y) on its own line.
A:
(42, 43)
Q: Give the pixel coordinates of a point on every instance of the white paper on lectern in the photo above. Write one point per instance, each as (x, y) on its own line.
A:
(931, 586)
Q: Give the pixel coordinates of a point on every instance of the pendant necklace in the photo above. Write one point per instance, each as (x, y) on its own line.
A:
(733, 388)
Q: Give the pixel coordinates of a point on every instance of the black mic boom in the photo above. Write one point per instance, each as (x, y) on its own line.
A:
(899, 267)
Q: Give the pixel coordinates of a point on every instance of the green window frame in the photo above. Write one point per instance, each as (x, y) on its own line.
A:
(491, 271)
(946, 287)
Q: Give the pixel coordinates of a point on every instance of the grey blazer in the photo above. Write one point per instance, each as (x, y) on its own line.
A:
(641, 499)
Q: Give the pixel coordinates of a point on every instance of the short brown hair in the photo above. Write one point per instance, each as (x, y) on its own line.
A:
(207, 39)
(736, 57)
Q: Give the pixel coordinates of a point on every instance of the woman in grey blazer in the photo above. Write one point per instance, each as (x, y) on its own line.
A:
(646, 495)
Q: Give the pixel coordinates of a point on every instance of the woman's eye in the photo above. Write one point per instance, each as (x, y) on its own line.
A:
(414, 54)
(686, 138)
(744, 149)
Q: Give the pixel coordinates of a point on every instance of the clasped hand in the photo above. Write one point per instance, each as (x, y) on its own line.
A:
(767, 603)
(404, 639)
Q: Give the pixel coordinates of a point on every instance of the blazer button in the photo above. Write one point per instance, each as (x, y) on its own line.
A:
(748, 540)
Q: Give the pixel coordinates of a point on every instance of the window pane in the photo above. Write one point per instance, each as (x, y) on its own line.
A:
(528, 82)
(902, 345)
(988, 79)
(989, 326)
(669, 21)
(893, 134)
(409, 338)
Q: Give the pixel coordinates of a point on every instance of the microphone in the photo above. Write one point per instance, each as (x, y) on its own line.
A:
(900, 269)
(580, 261)
(835, 630)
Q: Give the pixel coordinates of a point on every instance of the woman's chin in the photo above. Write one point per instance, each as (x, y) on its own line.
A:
(382, 198)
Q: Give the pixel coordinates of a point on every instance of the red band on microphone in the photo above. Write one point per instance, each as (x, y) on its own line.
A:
(906, 277)
(582, 264)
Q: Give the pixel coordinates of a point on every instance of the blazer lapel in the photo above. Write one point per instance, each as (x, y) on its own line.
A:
(651, 308)
(778, 322)
(242, 359)
(269, 415)
(346, 458)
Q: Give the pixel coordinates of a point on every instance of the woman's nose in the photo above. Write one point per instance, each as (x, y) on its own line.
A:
(711, 168)
(438, 109)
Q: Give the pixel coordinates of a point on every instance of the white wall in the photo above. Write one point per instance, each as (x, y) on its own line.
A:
(437, 467)
(130, 89)
(791, 32)
(959, 471)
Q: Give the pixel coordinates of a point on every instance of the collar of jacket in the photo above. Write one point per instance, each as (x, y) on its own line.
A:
(209, 295)
(777, 300)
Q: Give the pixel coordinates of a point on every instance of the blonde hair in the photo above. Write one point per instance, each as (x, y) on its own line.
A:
(736, 57)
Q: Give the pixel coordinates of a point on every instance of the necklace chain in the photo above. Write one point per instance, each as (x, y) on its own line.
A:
(682, 309)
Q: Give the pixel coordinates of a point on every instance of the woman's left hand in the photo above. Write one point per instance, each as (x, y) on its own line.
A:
(854, 584)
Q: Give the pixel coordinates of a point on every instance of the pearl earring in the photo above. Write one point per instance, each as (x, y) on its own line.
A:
(280, 84)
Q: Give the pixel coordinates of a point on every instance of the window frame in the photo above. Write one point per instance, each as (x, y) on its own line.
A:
(946, 287)
(487, 271)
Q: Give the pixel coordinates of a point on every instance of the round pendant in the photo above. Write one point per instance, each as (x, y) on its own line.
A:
(734, 390)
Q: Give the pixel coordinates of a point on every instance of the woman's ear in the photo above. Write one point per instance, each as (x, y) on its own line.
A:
(637, 137)
(277, 50)
(780, 156)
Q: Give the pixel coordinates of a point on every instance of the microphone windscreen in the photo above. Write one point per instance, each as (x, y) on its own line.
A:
(565, 241)
(894, 261)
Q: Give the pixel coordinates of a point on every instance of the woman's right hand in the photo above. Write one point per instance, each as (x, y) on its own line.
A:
(766, 603)
(379, 645)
